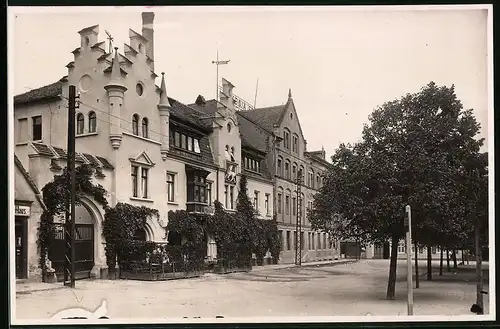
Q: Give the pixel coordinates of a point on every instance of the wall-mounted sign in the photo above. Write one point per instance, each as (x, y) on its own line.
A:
(22, 210)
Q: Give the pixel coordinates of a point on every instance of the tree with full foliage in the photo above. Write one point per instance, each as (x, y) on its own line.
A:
(56, 197)
(410, 154)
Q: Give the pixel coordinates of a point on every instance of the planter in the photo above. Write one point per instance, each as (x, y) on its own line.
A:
(49, 277)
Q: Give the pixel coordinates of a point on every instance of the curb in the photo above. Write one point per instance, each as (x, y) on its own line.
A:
(333, 263)
(29, 291)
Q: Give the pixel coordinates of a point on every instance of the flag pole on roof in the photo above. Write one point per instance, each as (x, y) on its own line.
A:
(217, 62)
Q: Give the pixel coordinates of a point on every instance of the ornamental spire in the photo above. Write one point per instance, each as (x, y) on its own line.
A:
(163, 95)
(115, 68)
(290, 93)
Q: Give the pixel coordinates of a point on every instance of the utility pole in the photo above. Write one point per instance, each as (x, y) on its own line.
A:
(298, 224)
(407, 223)
(217, 63)
(69, 262)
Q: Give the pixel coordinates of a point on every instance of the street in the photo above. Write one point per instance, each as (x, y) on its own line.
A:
(346, 289)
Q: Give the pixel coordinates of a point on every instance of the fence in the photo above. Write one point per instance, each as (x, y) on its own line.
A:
(149, 271)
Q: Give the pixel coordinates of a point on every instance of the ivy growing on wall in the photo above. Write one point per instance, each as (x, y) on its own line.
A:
(57, 195)
(120, 226)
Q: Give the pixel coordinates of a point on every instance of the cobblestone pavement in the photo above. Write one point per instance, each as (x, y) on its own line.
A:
(343, 289)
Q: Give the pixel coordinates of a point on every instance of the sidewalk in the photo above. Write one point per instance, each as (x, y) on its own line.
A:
(308, 264)
(23, 287)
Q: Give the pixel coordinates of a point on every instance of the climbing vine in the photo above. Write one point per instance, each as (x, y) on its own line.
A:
(56, 196)
(120, 226)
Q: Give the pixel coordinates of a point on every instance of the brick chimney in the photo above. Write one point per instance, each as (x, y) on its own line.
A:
(148, 32)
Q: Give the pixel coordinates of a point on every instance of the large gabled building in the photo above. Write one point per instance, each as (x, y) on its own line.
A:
(148, 149)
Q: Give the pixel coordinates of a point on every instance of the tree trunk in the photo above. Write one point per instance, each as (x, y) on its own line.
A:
(479, 271)
(463, 257)
(448, 267)
(429, 263)
(441, 261)
(417, 280)
(454, 254)
(391, 285)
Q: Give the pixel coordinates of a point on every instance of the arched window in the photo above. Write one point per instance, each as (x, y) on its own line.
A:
(286, 138)
(145, 128)
(279, 166)
(80, 123)
(310, 179)
(287, 169)
(294, 171)
(92, 122)
(135, 124)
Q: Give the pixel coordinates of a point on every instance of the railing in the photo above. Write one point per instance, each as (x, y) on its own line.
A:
(141, 270)
(239, 103)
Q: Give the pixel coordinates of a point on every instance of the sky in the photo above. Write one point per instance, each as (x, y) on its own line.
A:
(340, 63)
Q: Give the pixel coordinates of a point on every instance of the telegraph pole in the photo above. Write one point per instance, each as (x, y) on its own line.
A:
(298, 224)
(217, 63)
(407, 223)
(69, 262)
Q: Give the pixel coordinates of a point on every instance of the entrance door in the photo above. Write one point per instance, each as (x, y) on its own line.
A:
(20, 243)
(84, 251)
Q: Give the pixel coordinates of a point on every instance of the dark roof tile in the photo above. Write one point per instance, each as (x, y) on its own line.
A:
(266, 117)
(43, 149)
(189, 115)
(46, 92)
(105, 163)
(91, 159)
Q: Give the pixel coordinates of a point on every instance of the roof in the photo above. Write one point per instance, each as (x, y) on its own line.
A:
(190, 115)
(265, 117)
(252, 135)
(30, 181)
(59, 153)
(43, 93)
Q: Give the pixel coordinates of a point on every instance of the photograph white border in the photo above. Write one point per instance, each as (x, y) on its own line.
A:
(11, 11)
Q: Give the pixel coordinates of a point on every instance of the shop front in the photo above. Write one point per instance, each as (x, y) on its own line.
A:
(22, 215)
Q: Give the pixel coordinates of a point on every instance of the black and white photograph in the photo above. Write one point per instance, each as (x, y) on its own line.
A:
(233, 164)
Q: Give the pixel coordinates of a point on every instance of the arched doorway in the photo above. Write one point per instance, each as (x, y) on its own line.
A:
(84, 245)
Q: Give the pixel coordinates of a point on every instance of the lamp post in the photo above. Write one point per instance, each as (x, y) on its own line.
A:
(407, 223)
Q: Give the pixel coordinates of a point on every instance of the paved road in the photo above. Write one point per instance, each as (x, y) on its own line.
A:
(347, 289)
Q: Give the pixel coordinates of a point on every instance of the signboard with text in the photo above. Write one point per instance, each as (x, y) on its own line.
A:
(22, 210)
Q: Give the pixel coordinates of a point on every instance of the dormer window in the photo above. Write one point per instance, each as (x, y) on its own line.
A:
(86, 41)
(141, 48)
(186, 141)
(251, 163)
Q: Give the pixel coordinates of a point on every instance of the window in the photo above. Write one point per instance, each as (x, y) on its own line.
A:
(231, 197)
(312, 241)
(177, 139)
(139, 88)
(294, 171)
(37, 128)
(294, 206)
(266, 204)
(209, 193)
(170, 187)
(288, 244)
(301, 240)
(196, 189)
(286, 139)
(287, 169)
(287, 204)
(92, 122)
(256, 200)
(295, 143)
(145, 128)
(251, 164)
(310, 179)
(144, 182)
(280, 172)
(80, 123)
(318, 181)
(188, 143)
(135, 171)
(22, 130)
(279, 203)
(135, 124)
(319, 242)
(226, 196)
